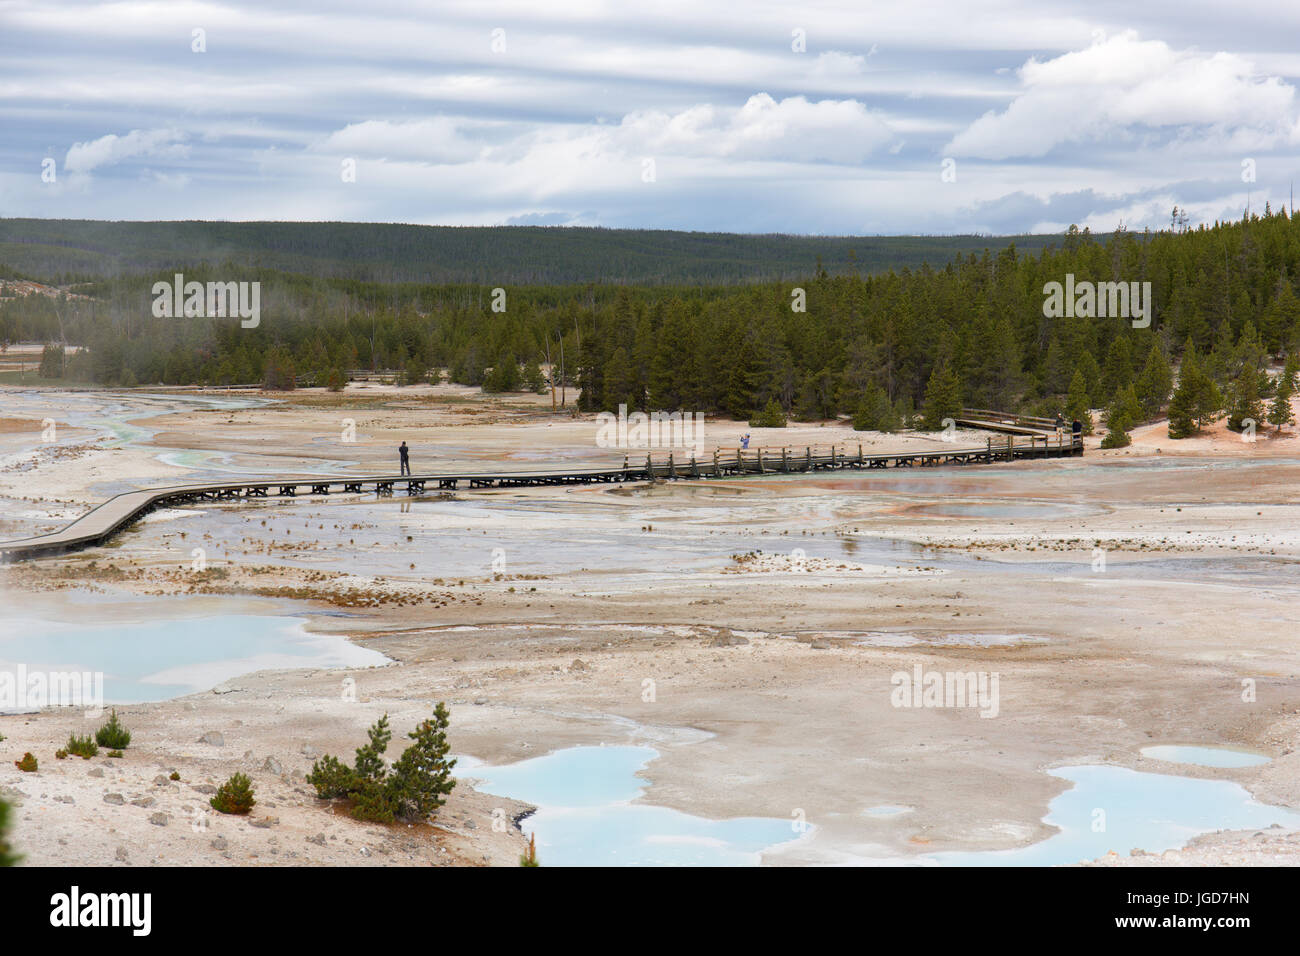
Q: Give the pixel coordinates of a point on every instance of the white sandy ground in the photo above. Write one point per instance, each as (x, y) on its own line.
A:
(1094, 666)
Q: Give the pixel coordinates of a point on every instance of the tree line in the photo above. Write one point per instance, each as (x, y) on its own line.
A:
(889, 349)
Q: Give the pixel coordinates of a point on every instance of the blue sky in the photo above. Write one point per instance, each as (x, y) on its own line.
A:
(930, 116)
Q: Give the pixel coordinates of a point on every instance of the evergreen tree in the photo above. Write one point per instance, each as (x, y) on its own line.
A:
(942, 398)
(1246, 404)
(1155, 382)
(1182, 410)
(1076, 403)
(51, 361)
(534, 380)
(1119, 367)
(1117, 424)
(772, 416)
(876, 413)
(1279, 413)
(421, 777)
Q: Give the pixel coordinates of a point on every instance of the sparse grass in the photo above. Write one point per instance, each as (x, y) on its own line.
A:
(83, 747)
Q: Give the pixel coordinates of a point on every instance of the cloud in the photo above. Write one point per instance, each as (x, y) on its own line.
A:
(438, 139)
(112, 149)
(1137, 91)
(794, 129)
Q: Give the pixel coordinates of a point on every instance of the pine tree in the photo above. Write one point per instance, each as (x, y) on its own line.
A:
(421, 777)
(1182, 410)
(1117, 423)
(1076, 403)
(875, 413)
(1155, 382)
(1246, 404)
(1279, 413)
(534, 381)
(942, 398)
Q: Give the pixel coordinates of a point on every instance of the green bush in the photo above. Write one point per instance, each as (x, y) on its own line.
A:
(234, 796)
(83, 747)
(27, 764)
(413, 789)
(773, 416)
(7, 856)
(113, 735)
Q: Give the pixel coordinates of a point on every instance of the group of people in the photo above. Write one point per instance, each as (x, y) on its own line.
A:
(1076, 427)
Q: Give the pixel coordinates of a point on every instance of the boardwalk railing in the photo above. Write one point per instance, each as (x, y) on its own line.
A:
(101, 523)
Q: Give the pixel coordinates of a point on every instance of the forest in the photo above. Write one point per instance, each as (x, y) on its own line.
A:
(888, 349)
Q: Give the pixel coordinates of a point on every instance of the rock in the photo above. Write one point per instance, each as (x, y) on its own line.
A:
(578, 666)
(220, 843)
(65, 799)
(96, 772)
(726, 638)
(264, 823)
(480, 701)
(159, 819)
(273, 766)
(310, 752)
(226, 689)
(116, 799)
(160, 781)
(820, 646)
(213, 738)
(204, 788)
(471, 825)
(318, 839)
(121, 856)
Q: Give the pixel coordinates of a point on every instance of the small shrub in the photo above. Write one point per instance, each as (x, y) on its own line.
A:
(83, 747)
(113, 735)
(773, 416)
(234, 796)
(413, 789)
(116, 753)
(530, 855)
(7, 856)
(27, 764)
(174, 776)
(61, 755)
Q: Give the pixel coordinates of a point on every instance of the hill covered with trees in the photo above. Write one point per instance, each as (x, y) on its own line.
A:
(882, 347)
(62, 250)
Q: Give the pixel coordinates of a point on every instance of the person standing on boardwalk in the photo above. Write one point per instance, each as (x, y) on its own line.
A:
(405, 454)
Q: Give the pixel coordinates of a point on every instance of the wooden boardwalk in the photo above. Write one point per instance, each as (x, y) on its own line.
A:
(1025, 438)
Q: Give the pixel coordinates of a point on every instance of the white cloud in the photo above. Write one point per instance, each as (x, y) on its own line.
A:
(112, 149)
(1130, 89)
(438, 139)
(837, 131)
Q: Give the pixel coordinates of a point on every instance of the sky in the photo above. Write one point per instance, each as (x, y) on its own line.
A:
(829, 118)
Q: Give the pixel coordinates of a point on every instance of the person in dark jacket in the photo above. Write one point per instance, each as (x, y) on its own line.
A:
(405, 454)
